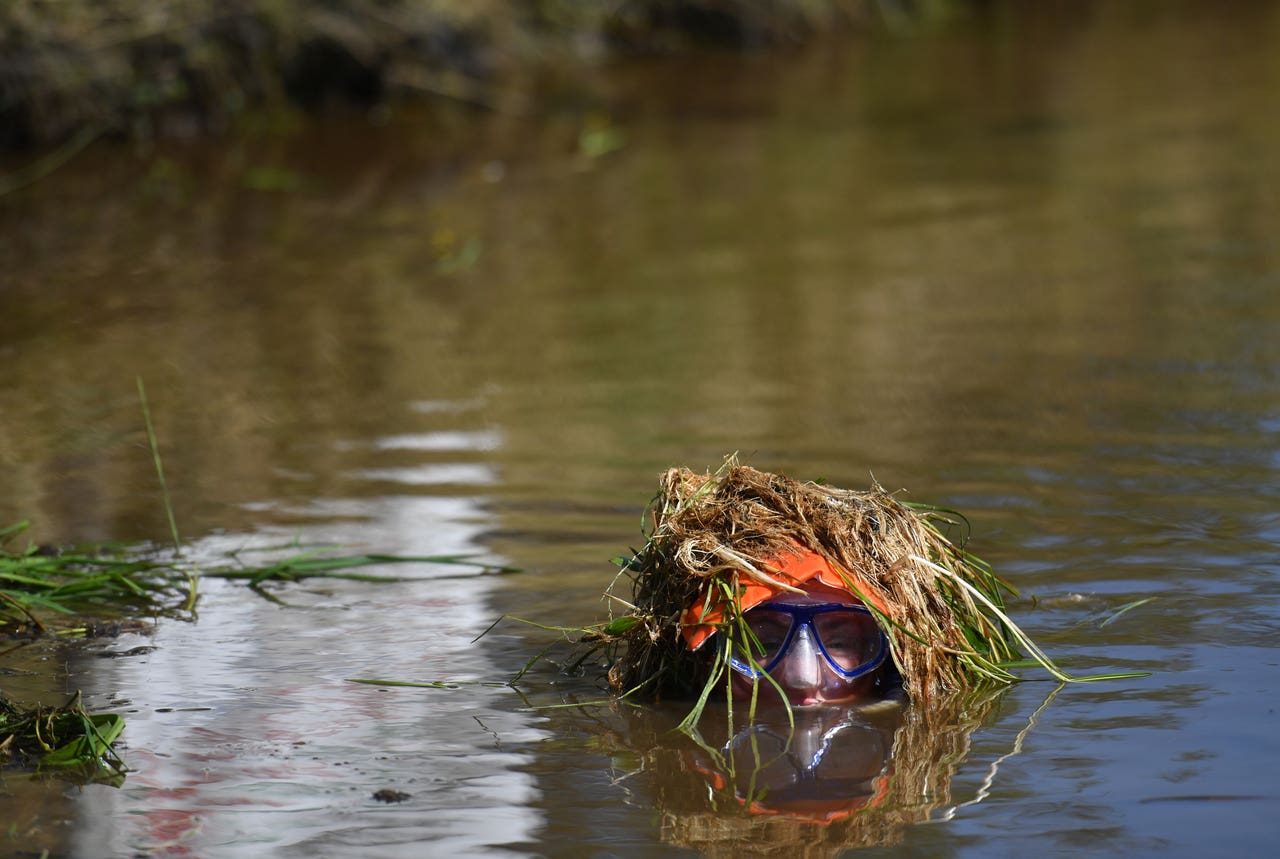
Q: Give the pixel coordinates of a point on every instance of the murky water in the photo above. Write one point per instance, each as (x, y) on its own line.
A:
(1024, 265)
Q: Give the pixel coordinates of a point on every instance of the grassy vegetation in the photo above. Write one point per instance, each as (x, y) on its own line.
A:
(139, 67)
(63, 739)
(45, 589)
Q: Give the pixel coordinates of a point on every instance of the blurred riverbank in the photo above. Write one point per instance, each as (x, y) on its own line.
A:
(182, 68)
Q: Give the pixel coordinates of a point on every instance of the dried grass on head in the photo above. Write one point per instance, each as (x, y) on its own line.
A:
(714, 532)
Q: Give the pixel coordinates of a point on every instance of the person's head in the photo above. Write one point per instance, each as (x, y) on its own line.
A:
(816, 644)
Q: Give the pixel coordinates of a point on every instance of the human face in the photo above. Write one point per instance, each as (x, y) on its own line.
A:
(819, 646)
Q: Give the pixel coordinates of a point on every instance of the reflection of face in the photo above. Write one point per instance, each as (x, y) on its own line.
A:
(820, 767)
(804, 673)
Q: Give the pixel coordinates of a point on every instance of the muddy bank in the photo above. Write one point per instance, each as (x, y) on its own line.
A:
(143, 68)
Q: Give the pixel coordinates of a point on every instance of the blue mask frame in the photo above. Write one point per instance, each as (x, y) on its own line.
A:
(802, 616)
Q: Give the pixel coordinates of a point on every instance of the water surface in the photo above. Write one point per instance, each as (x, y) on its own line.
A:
(1023, 265)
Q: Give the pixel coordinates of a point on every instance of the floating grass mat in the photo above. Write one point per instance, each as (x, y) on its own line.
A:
(709, 535)
(40, 583)
(64, 739)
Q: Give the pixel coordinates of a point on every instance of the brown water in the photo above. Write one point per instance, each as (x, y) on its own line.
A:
(1024, 265)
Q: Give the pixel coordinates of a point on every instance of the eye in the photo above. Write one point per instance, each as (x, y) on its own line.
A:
(770, 628)
(842, 642)
(850, 638)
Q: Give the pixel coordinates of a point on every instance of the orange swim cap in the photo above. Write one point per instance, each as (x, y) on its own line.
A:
(698, 622)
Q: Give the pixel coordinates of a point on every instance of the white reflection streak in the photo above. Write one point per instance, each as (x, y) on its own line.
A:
(466, 474)
(478, 440)
(445, 440)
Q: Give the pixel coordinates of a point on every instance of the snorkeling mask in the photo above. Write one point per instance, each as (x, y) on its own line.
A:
(847, 636)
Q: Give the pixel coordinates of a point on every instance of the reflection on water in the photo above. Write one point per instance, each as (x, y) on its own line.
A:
(836, 778)
(1023, 265)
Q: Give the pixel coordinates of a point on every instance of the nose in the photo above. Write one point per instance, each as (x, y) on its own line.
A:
(801, 670)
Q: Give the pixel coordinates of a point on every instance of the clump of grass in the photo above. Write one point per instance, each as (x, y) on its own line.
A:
(942, 608)
(39, 584)
(64, 739)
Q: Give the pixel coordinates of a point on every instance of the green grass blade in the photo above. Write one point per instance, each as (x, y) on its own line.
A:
(1127, 607)
(155, 458)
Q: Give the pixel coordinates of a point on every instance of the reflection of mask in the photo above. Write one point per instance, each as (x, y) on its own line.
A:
(823, 770)
(846, 776)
